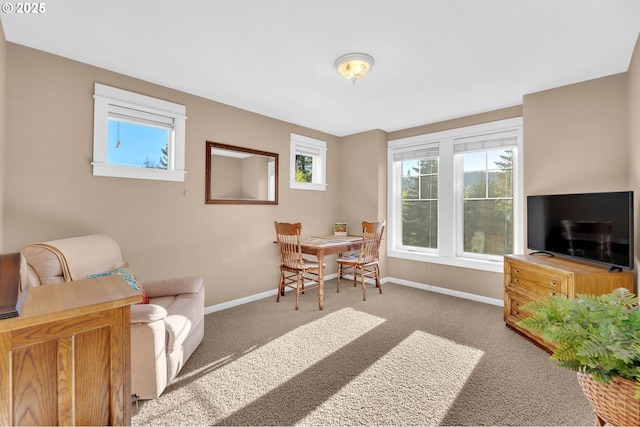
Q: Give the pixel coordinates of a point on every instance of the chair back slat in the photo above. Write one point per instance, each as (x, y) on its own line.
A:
(288, 237)
(371, 238)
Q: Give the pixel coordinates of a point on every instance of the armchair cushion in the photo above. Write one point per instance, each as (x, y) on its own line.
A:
(171, 287)
(183, 314)
(147, 313)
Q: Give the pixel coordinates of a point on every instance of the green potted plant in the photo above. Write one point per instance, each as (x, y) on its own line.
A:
(598, 337)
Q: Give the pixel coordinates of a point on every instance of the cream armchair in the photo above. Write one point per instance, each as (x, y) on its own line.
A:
(164, 333)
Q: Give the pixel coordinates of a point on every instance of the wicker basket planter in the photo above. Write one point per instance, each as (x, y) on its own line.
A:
(613, 403)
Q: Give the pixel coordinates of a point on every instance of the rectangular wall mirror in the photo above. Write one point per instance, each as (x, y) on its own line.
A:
(239, 175)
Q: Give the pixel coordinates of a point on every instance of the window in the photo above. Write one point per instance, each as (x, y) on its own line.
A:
(136, 136)
(308, 163)
(487, 199)
(454, 196)
(419, 197)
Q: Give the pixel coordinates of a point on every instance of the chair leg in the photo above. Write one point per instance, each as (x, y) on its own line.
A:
(297, 289)
(364, 289)
(280, 286)
(339, 275)
(378, 284)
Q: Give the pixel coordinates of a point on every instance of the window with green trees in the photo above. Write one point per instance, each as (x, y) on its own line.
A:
(488, 202)
(420, 202)
(304, 168)
(308, 163)
(455, 196)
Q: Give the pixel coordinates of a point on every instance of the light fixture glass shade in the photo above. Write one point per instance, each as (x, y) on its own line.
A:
(354, 65)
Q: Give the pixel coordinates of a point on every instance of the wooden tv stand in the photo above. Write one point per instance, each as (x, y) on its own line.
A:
(66, 359)
(533, 277)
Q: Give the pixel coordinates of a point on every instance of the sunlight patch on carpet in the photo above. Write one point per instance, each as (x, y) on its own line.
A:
(416, 382)
(238, 383)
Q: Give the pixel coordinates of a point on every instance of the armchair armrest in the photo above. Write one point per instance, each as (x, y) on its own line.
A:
(175, 286)
(147, 313)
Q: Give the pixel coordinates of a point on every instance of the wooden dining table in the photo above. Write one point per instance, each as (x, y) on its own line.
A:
(319, 246)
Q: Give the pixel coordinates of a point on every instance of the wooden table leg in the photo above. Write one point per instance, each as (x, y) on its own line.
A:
(320, 256)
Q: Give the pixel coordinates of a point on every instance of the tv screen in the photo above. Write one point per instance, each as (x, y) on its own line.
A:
(595, 227)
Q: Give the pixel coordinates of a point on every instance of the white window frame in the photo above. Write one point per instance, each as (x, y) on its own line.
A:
(450, 189)
(315, 148)
(113, 100)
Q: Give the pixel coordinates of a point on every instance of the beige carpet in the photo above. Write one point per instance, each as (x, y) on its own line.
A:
(406, 357)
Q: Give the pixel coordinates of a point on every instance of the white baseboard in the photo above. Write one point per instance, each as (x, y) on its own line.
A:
(239, 301)
(445, 291)
(424, 287)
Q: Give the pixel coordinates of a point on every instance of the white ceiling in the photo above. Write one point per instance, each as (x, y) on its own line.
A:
(434, 59)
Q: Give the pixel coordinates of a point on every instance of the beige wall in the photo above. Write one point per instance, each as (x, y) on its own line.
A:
(575, 138)
(580, 137)
(362, 178)
(3, 81)
(161, 230)
(633, 158)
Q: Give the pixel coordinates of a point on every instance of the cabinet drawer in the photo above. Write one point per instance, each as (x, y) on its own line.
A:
(513, 306)
(513, 313)
(543, 282)
(540, 288)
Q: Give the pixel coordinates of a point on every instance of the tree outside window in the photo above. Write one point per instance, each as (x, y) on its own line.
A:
(308, 159)
(488, 202)
(304, 168)
(455, 196)
(420, 202)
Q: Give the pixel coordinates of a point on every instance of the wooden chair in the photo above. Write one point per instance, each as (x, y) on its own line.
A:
(365, 263)
(295, 271)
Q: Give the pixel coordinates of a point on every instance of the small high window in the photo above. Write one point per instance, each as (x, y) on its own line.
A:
(137, 136)
(308, 163)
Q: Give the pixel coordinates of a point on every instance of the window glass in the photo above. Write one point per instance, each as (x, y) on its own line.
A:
(488, 202)
(308, 163)
(304, 168)
(420, 202)
(132, 144)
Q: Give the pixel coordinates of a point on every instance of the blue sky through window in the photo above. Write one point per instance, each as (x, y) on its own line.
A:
(132, 144)
(410, 167)
(483, 160)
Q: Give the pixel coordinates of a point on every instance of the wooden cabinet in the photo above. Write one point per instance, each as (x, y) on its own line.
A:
(532, 277)
(66, 359)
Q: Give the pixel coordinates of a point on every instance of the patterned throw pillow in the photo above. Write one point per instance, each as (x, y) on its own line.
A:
(129, 277)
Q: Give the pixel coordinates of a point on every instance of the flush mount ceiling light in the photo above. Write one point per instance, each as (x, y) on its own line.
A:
(354, 65)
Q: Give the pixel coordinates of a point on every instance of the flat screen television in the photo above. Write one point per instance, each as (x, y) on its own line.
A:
(595, 227)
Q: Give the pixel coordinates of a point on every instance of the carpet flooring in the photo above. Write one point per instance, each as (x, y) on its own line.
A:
(404, 357)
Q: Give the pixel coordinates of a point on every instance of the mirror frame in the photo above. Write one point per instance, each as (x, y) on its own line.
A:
(210, 145)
